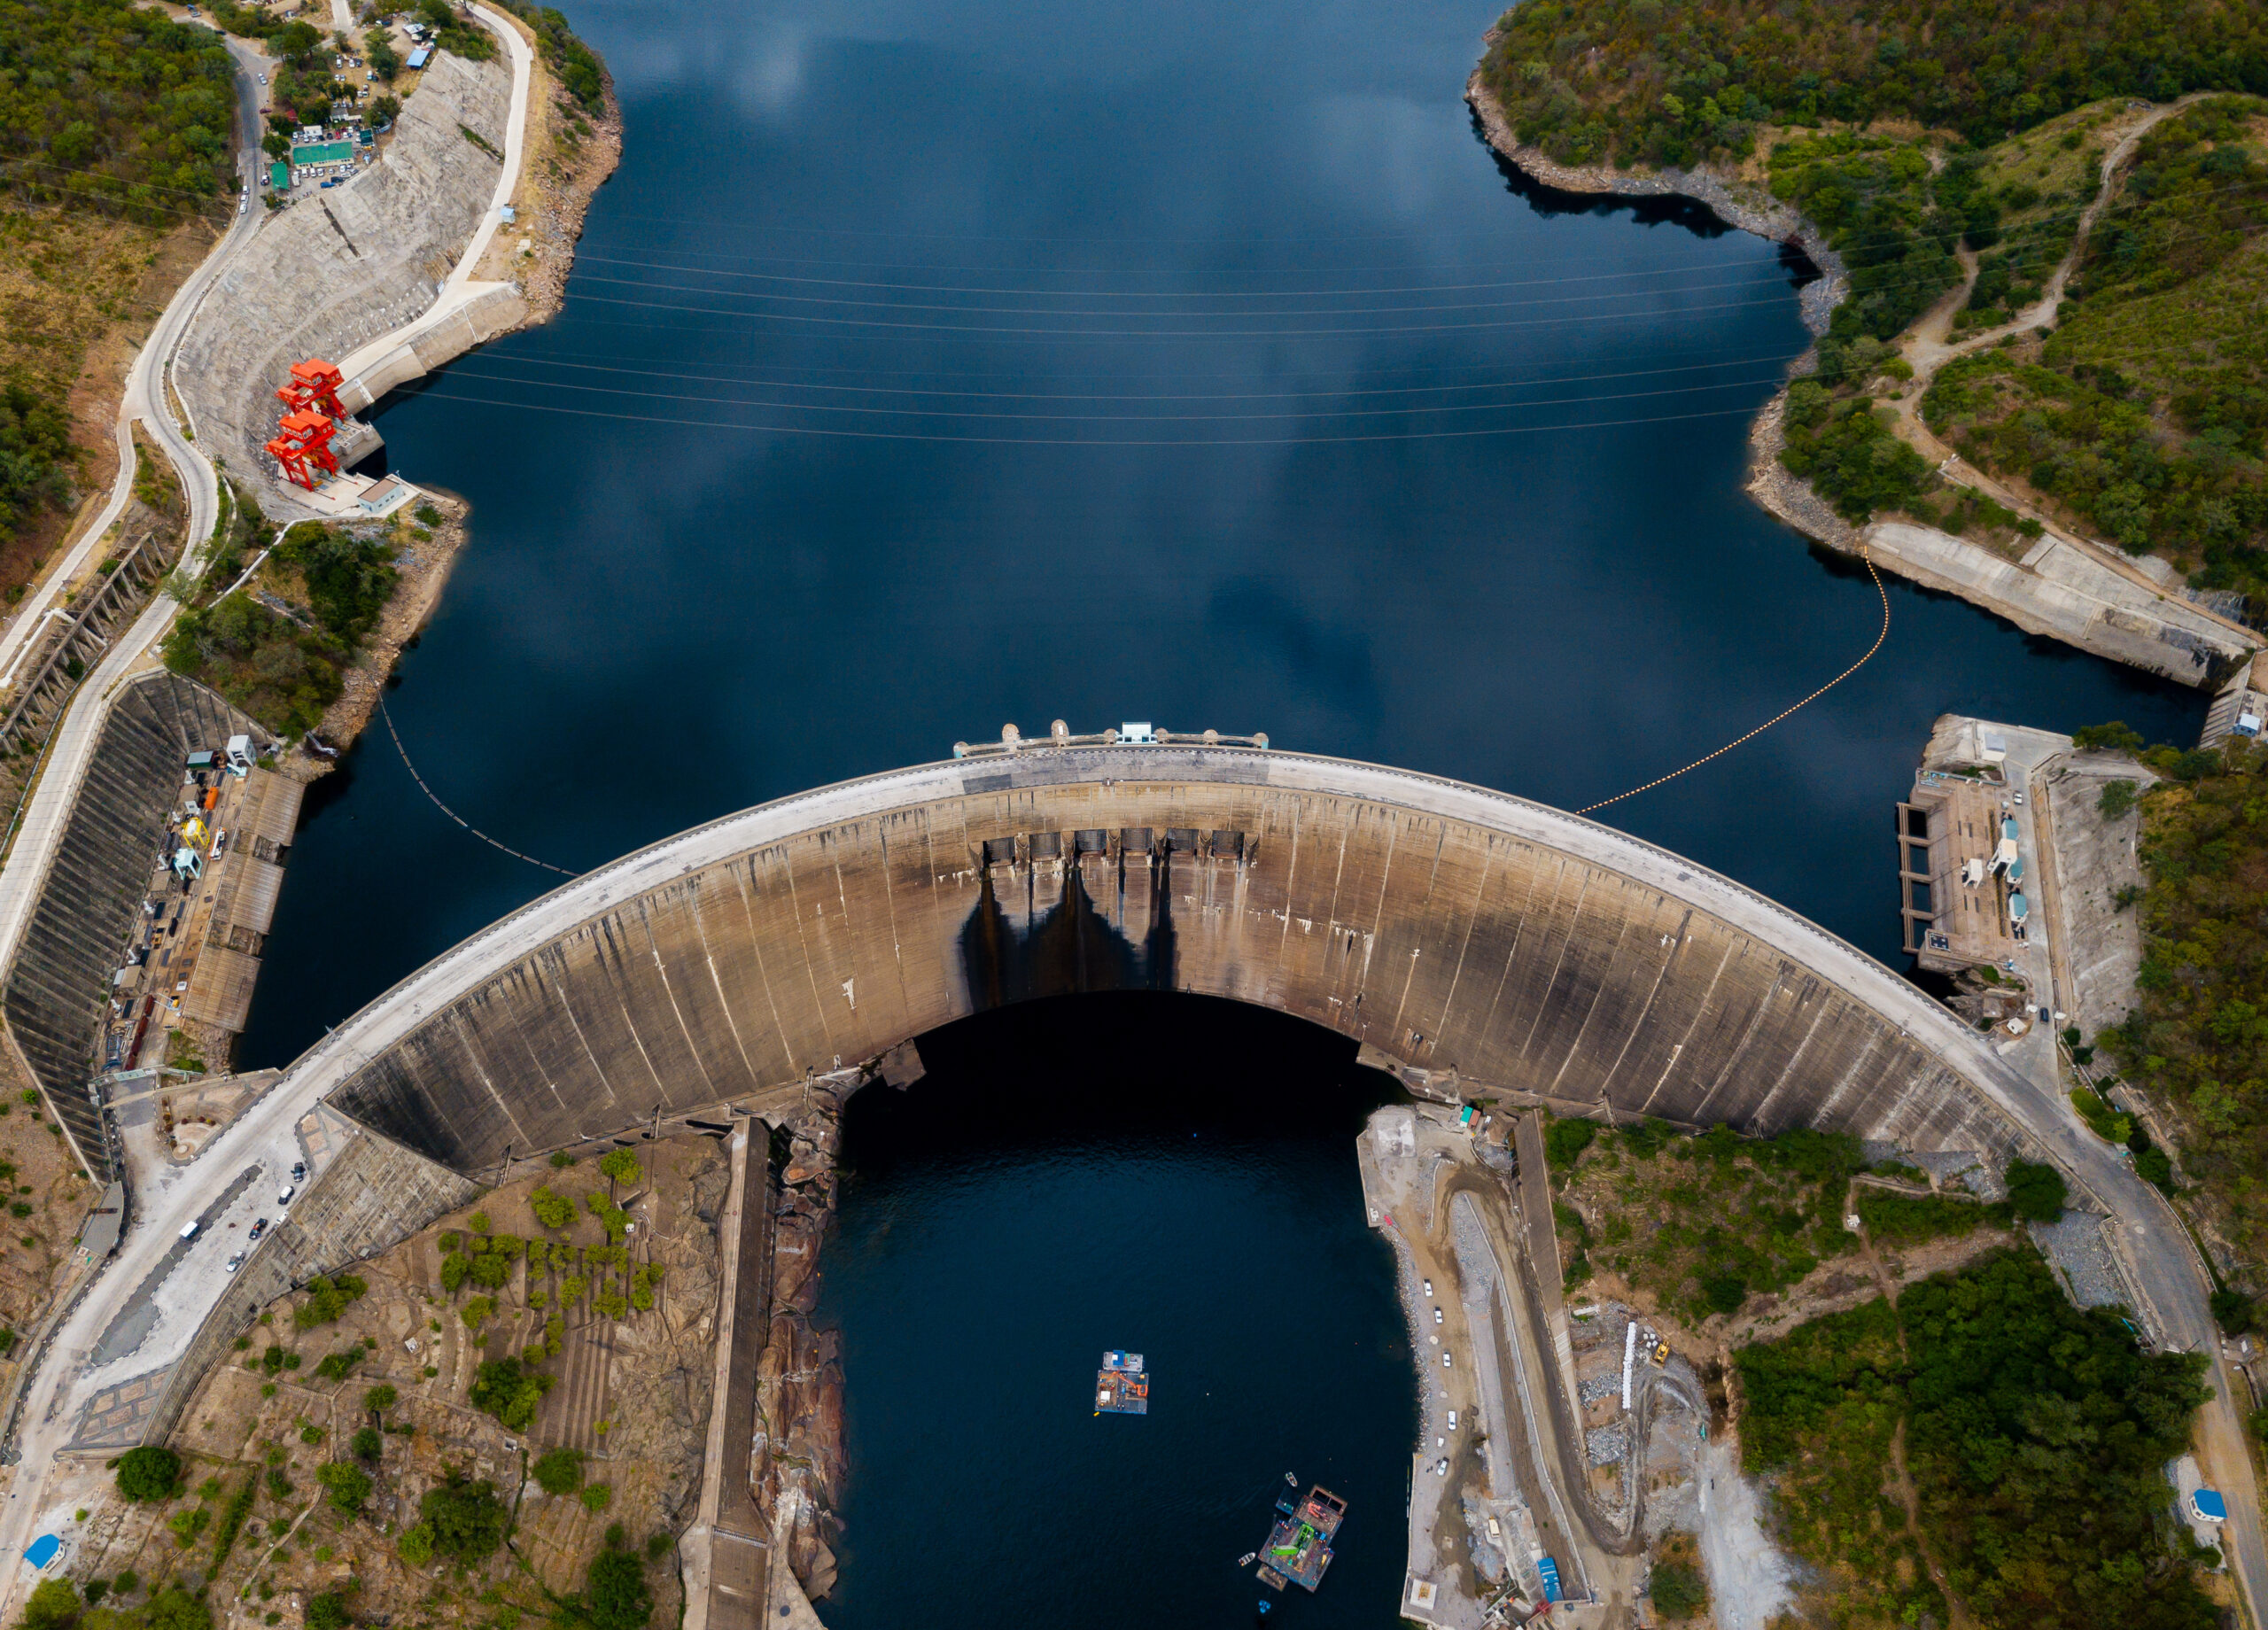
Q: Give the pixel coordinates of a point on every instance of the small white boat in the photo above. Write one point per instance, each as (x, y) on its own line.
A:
(1246, 1560)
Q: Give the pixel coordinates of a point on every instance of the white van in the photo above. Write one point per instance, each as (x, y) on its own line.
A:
(190, 1232)
(1452, 1420)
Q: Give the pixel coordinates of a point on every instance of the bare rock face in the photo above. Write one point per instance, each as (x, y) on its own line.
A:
(798, 1465)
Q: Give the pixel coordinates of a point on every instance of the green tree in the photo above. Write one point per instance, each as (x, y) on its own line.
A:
(349, 1485)
(149, 1473)
(560, 1471)
(509, 1393)
(2036, 1191)
(1678, 1591)
(53, 1605)
(621, 1165)
(1565, 1141)
(553, 1210)
(615, 1596)
(2114, 737)
(468, 1521)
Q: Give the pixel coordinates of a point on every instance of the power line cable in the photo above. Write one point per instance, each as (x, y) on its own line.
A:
(446, 810)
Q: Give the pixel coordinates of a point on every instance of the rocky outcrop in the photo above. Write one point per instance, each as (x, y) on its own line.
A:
(1737, 204)
(798, 1464)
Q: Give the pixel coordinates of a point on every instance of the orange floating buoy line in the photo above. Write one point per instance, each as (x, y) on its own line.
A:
(312, 412)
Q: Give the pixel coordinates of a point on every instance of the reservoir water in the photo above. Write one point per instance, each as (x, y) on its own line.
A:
(930, 366)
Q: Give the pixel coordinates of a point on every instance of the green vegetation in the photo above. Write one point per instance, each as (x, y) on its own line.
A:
(2036, 1191)
(1678, 1591)
(2144, 413)
(1642, 82)
(621, 1166)
(104, 100)
(560, 1471)
(54, 1605)
(575, 66)
(1849, 453)
(597, 1496)
(347, 1484)
(2106, 1122)
(506, 1391)
(326, 1298)
(281, 674)
(467, 1520)
(338, 1365)
(1701, 1222)
(1913, 1218)
(1565, 1141)
(232, 1521)
(149, 1473)
(2011, 1399)
(615, 1594)
(2197, 1041)
(380, 1398)
(553, 1210)
(348, 579)
(455, 31)
(36, 457)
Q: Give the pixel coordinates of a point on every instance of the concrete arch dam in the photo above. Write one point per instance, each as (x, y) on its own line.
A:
(1478, 941)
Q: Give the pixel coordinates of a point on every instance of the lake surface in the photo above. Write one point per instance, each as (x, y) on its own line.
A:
(927, 368)
(1186, 1190)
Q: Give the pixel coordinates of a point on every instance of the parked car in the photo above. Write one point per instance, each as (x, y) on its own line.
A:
(2019, 800)
(298, 1171)
(258, 1229)
(1437, 1316)
(235, 1261)
(284, 1198)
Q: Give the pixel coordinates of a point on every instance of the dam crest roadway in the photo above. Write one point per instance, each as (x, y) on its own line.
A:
(1470, 941)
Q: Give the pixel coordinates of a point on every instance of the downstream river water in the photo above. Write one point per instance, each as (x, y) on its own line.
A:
(926, 367)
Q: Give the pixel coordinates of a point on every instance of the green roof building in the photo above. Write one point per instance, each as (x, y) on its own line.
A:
(279, 176)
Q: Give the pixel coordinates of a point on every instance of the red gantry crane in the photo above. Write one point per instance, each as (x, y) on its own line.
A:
(314, 384)
(304, 440)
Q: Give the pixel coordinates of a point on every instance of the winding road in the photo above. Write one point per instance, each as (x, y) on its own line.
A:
(53, 1395)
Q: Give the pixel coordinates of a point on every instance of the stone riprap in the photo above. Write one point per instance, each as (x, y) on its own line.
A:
(339, 269)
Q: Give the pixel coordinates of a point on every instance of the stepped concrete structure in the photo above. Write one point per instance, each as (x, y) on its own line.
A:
(58, 986)
(346, 266)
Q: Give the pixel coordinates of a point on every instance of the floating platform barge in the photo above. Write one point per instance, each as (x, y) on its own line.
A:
(1121, 1385)
(1299, 1548)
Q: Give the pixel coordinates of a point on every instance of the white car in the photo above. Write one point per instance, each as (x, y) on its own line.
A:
(284, 1197)
(1452, 1420)
(235, 1261)
(1445, 1363)
(1442, 1467)
(1429, 1287)
(1437, 1316)
(2019, 800)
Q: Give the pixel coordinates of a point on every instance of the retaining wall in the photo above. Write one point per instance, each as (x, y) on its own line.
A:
(59, 988)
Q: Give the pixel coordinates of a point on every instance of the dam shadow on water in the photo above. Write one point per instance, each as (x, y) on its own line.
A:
(1169, 1174)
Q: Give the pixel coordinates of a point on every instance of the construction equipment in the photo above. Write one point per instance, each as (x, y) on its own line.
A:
(314, 384)
(303, 445)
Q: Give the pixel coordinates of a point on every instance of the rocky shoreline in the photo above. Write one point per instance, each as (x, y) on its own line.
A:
(798, 1461)
(1750, 209)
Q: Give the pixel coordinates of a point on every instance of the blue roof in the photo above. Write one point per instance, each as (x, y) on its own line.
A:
(418, 57)
(2009, 828)
(2210, 1504)
(2018, 907)
(42, 1551)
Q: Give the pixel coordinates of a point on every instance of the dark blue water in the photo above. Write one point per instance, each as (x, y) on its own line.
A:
(930, 367)
(1188, 1191)
(678, 605)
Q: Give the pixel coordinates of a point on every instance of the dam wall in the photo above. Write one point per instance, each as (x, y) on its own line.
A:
(1464, 934)
(59, 987)
(343, 268)
(371, 1194)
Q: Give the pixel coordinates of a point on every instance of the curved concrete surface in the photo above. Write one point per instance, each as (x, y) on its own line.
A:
(1451, 928)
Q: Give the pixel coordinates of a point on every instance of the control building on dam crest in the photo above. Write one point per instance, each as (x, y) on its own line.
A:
(1474, 942)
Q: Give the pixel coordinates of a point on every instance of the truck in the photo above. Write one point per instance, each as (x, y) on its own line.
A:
(1550, 1571)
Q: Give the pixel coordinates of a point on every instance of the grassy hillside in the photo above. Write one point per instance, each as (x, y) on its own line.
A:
(1642, 81)
(2143, 415)
(2034, 1435)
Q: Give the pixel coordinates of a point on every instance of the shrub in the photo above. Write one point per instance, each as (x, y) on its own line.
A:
(2115, 800)
(552, 1209)
(454, 1266)
(597, 1496)
(2036, 1191)
(490, 1270)
(328, 1612)
(148, 1473)
(467, 1520)
(367, 1444)
(1910, 1219)
(614, 1596)
(326, 1298)
(380, 1399)
(480, 1222)
(1678, 1591)
(335, 1367)
(416, 1544)
(188, 1525)
(477, 1312)
(560, 1471)
(2233, 1311)
(1565, 1141)
(53, 1605)
(506, 1391)
(348, 1484)
(621, 1165)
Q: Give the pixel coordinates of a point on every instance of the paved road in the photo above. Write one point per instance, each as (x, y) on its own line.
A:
(2169, 1275)
(264, 1143)
(142, 389)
